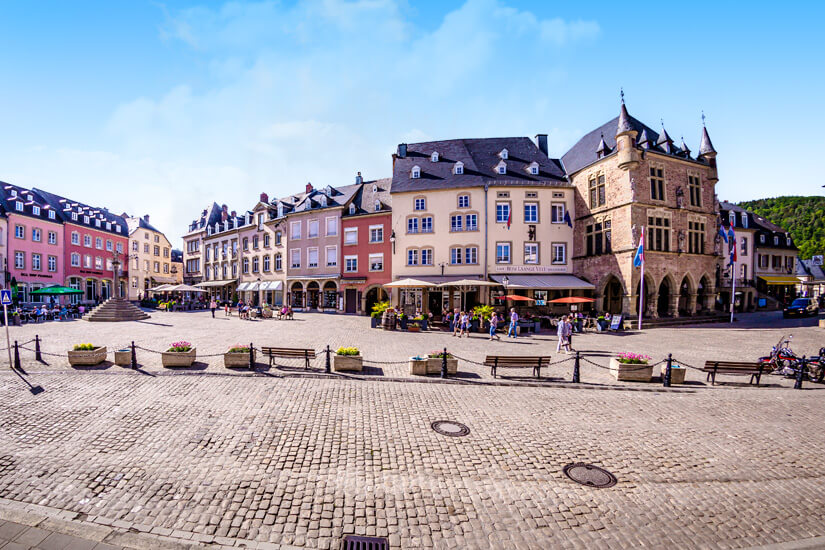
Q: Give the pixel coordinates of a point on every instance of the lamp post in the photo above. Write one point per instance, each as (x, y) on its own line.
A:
(115, 266)
(392, 240)
(260, 302)
(505, 281)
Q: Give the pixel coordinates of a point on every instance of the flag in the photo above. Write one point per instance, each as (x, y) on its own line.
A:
(509, 219)
(722, 232)
(732, 245)
(567, 219)
(639, 258)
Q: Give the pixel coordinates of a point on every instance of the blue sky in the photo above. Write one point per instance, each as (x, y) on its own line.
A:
(157, 108)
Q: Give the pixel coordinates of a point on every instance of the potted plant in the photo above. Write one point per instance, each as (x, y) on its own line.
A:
(418, 365)
(179, 354)
(483, 314)
(414, 325)
(434, 360)
(402, 320)
(422, 321)
(348, 359)
(631, 366)
(377, 312)
(677, 373)
(87, 355)
(238, 356)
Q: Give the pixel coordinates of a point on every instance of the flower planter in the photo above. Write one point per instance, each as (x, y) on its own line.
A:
(237, 359)
(423, 324)
(123, 357)
(353, 363)
(402, 321)
(434, 365)
(179, 358)
(630, 372)
(677, 374)
(375, 322)
(87, 357)
(413, 327)
(418, 367)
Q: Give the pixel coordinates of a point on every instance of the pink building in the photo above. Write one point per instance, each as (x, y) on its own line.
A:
(35, 242)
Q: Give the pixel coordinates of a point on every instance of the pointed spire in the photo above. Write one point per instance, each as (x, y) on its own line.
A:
(603, 149)
(685, 148)
(664, 140)
(706, 147)
(644, 140)
(624, 125)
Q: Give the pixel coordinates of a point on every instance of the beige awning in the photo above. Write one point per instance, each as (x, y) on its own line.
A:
(184, 288)
(409, 283)
(469, 282)
(247, 287)
(272, 285)
(215, 283)
(544, 282)
(161, 288)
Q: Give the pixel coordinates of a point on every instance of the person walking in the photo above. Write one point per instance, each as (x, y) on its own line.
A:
(493, 326)
(561, 330)
(512, 331)
(568, 334)
(457, 321)
(465, 325)
(213, 305)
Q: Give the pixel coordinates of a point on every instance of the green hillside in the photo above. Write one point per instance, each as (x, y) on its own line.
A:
(804, 217)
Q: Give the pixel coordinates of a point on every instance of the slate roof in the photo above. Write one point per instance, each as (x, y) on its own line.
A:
(208, 216)
(21, 194)
(480, 157)
(66, 207)
(364, 198)
(806, 268)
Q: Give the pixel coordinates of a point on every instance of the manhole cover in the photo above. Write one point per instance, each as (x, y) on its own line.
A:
(353, 542)
(448, 427)
(589, 475)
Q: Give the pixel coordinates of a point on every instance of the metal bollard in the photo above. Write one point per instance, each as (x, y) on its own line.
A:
(251, 357)
(666, 380)
(134, 356)
(576, 369)
(17, 356)
(800, 372)
(444, 364)
(37, 355)
(327, 366)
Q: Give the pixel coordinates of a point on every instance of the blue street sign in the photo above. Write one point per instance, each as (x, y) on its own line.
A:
(5, 297)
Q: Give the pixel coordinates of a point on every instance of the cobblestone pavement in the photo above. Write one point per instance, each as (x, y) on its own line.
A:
(302, 461)
(386, 353)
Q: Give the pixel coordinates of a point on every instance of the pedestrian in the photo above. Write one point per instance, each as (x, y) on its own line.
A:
(465, 324)
(457, 321)
(493, 326)
(213, 305)
(561, 330)
(568, 335)
(513, 330)
(226, 311)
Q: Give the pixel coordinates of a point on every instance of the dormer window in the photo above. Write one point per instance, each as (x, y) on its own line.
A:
(788, 241)
(51, 214)
(745, 220)
(74, 216)
(377, 206)
(351, 209)
(503, 154)
(776, 240)
(209, 230)
(13, 193)
(97, 223)
(217, 227)
(374, 188)
(434, 157)
(280, 210)
(415, 173)
(458, 168)
(18, 206)
(108, 226)
(533, 168)
(85, 219)
(323, 201)
(501, 167)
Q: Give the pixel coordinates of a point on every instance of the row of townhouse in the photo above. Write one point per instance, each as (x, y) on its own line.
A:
(323, 249)
(47, 240)
(476, 220)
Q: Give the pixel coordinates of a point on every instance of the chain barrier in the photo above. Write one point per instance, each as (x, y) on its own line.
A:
(687, 365)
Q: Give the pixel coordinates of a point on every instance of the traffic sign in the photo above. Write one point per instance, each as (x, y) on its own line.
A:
(5, 297)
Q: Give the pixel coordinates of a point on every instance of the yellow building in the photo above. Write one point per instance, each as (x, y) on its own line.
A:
(150, 257)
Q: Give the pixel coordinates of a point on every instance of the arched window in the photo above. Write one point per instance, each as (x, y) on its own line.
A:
(434, 157)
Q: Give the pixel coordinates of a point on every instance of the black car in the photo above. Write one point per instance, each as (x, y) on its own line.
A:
(801, 307)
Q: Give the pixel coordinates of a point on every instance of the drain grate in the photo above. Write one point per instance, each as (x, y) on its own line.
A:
(448, 427)
(589, 475)
(354, 542)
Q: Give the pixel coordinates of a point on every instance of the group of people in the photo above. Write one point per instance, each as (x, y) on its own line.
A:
(459, 322)
(565, 333)
(244, 310)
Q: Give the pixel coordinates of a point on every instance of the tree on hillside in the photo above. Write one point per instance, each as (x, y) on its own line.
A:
(803, 217)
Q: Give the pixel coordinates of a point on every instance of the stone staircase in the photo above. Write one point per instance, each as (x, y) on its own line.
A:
(679, 321)
(115, 309)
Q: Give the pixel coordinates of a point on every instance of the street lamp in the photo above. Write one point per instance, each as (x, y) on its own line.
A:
(392, 240)
(505, 281)
(259, 292)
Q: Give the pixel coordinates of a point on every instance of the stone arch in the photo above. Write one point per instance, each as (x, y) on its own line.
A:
(329, 291)
(667, 297)
(374, 294)
(612, 293)
(687, 296)
(650, 295)
(296, 294)
(313, 295)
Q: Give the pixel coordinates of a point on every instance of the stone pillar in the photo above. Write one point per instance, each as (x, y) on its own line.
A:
(691, 305)
(653, 306)
(673, 304)
(627, 303)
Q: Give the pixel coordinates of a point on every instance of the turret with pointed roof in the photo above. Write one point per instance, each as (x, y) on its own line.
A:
(626, 140)
(706, 147)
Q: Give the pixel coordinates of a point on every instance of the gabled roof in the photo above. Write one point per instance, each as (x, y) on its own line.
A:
(66, 207)
(335, 197)
(7, 202)
(208, 216)
(583, 153)
(480, 157)
(364, 198)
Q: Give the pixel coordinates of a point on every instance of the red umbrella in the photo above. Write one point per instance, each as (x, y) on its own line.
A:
(515, 298)
(573, 300)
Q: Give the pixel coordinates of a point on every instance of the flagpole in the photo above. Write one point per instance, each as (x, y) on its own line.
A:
(732, 289)
(642, 292)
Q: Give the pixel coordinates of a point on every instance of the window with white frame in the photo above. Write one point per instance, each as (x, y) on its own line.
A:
(295, 258)
(98, 262)
(502, 253)
(426, 256)
(420, 203)
(464, 201)
(312, 257)
(776, 240)
(19, 232)
(76, 239)
(412, 225)
(37, 235)
(97, 223)
(427, 224)
(87, 262)
(351, 209)
(36, 210)
(376, 262)
(458, 168)
(278, 238)
(559, 253)
(245, 265)
(456, 223)
(18, 206)
(312, 229)
(534, 168)
(51, 214)
(119, 248)
(531, 253)
(256, 263)
(412, 257)
(85, 219)
(109, 245)
(52, 264)
(279, 262)
(332, 226)
(557, 212)
(471, 255)
(501, 167)
(456, 254)
(531, 212)
(75, 259)
(377, 206)
(504, 154)
(52, 237)
(267, 263)
(434, 157)
(350, 264)
(19, 260)
(99, 243)
(502, 212)
(471, 222)
(332, 256)
(351, 235)
(415, 173)
(376, 233)
(74, 216)
(295, 230)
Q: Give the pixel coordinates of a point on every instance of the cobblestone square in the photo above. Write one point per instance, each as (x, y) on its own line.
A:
(281, 458)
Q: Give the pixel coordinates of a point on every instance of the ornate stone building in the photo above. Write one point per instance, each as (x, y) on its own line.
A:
(628, 177)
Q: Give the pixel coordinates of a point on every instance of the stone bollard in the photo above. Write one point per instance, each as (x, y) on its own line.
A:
(577, 369)
(444, 364)
(666, 379)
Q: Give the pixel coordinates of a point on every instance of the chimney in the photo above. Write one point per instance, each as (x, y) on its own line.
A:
(541, 141)
(146, 218)
(309, 187)
(358, 178)
(224, 213)
(402, 150)
(264, 198)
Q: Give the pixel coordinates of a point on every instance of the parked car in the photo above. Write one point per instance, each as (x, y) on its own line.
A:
(801, 307)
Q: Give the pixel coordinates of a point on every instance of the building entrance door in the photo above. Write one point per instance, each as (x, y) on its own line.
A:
(350, 299)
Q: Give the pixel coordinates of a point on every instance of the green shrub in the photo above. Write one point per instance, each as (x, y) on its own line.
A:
(347, 351)
(483, 312)
(84, 347)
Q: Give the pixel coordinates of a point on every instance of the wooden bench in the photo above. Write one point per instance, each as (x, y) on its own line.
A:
(289, 353)
(733, 367)
(534, 362)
